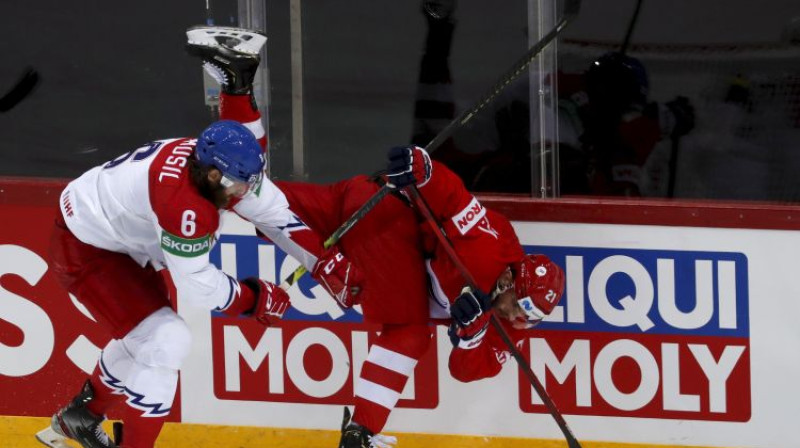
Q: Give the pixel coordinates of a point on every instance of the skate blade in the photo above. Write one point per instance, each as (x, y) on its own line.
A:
(249, 41)
(52, 439)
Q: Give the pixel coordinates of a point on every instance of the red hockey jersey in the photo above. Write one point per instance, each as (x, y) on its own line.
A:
(486, 243)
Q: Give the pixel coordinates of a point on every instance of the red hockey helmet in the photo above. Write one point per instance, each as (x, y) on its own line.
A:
(539, 284)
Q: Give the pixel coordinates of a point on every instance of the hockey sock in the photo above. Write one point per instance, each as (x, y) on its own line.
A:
(389, 364)
(140, 431)
(108, 386)
(104, 397)
(241, 108)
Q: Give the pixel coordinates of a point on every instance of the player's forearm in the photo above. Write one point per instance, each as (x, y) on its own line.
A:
(445, 193)
(269, 212)
(205, 287)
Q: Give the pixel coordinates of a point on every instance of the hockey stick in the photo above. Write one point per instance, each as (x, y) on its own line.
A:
(423, 206)
(673, 165)
(23, 87)
(631, 26)
(571, 9)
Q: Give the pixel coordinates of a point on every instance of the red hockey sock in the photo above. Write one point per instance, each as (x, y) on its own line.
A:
(140, 431)
(391, 360)
(242, 108)
(104, 398)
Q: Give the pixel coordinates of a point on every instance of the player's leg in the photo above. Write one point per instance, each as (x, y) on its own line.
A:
(143, 368)
(122, 296)
(231, 56)
(386, 245)
(434, 105)
(141, 371)
(390, 362)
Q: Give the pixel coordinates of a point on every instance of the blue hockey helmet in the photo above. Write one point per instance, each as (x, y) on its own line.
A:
(231, 148)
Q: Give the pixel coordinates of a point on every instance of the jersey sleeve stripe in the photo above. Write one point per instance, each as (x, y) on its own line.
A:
(234, 291)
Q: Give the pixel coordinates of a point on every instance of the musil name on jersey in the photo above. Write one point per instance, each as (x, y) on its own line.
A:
(646, 333)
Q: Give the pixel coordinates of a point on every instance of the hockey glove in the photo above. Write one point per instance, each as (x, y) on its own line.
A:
(471, 312)
(271, 300)
(408, 165)
(339, 277)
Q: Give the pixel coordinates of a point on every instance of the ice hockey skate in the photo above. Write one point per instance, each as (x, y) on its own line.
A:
(77, 422)
(357, 436)
(230, 55)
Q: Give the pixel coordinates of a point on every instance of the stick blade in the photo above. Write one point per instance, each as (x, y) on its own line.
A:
(573, 443)
(24, 86)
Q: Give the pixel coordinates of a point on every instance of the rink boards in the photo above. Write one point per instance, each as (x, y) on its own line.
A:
(677, 328)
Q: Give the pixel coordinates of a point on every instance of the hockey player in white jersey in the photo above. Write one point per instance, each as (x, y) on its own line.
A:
(159, 207)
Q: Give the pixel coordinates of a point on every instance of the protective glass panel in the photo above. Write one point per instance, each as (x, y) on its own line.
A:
(703, 100)
(382, 74)
(111, 79)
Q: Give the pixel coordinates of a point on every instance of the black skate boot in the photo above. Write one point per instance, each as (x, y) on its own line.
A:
(230, 55)
(357, 436)
(77, 422)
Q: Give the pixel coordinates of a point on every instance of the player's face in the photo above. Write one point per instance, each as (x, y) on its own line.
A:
(221, 195)
(505, 301)
(233, 188)
(238, 189)
(505, 306)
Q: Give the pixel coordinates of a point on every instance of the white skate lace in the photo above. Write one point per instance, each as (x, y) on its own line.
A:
(101, 435)
(382, 441)
(217, 73)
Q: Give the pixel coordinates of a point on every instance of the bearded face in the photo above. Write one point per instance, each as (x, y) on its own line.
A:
(211, 185)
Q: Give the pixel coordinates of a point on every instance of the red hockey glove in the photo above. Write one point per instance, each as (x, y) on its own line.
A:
(409, 165)
(471, 312)
(339, 277)
(271, 300)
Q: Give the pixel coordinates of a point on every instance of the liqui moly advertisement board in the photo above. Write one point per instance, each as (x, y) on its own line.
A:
(648, 333)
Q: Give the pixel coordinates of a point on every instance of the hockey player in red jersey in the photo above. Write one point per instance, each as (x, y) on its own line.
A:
(159, 207)
(390, 243)
(409, 280)
(520, 289)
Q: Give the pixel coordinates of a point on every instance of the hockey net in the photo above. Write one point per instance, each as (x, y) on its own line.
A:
(746, 140)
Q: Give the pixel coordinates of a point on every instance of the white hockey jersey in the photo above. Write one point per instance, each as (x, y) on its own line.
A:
(144, 204)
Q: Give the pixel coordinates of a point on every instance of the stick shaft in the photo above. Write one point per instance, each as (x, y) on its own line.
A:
(570, 11)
